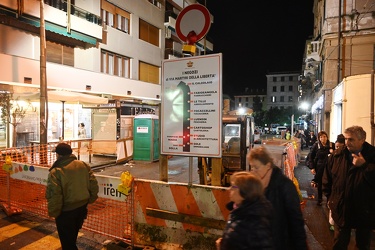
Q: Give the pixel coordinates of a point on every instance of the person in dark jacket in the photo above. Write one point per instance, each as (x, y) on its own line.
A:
(317, 161)
(351, 184)
(311, 139)
(327, 176)
(288, 229)
(250, 222)
(71, 185)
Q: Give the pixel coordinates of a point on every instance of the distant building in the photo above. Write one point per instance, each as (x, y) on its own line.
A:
(251, 97)
(282, 89)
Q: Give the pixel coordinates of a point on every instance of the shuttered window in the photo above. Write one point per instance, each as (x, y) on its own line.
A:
(148, 33)
(58, 53)
(148, 73)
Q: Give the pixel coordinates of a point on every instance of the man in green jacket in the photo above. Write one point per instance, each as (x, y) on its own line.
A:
(71, 185)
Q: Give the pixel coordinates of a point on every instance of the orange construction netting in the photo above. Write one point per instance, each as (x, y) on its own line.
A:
(106, 216)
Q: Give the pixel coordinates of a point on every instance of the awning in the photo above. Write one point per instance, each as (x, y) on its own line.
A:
(54, 32)
(60, 30)
(75, 97)
(63, 96)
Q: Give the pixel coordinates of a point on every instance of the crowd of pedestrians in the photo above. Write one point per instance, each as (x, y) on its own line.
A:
(265, 207)
(344, 172)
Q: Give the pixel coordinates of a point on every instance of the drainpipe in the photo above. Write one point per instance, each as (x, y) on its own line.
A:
(339, 46)
(372, 109)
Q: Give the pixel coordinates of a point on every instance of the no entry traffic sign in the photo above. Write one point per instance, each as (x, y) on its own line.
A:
(193, 23)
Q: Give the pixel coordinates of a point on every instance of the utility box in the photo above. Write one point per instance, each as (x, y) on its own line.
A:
(146, 138)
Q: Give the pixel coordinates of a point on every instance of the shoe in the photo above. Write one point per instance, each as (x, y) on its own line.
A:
(319, 203)
(332, 228)
(313, 184)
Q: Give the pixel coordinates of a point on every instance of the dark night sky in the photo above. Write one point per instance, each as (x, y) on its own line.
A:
(259, 37)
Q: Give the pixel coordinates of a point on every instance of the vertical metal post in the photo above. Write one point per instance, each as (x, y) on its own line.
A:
(190, 171)
(62, 121)
(68, 12)
(372, 109)
(43, 79)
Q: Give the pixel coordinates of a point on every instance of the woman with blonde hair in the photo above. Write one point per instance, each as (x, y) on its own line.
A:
(249, 224)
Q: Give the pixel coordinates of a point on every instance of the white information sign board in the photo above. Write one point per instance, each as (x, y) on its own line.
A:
(191, 107)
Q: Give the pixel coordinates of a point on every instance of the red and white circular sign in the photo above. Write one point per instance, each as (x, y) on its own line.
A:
(193, 18)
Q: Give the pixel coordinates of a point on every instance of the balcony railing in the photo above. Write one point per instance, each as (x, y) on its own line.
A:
(76, 11)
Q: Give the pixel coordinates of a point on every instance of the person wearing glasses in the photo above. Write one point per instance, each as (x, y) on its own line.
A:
(288, 230)
(250, 221)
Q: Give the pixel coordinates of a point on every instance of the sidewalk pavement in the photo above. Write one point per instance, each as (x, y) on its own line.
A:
(316, 217)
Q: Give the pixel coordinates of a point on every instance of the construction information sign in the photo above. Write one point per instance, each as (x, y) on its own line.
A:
(191, 109)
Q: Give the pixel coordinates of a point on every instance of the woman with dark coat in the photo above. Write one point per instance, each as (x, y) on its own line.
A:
(288, 230)
(317, 161)
(250, 222)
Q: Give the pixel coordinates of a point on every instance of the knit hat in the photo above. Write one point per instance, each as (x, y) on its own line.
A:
(63, 149)
(340, 139)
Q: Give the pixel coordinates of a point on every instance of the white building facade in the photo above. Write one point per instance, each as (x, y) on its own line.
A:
(112, 49)
(282, 90)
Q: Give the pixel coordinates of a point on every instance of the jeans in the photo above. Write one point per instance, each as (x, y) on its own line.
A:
(68, 224)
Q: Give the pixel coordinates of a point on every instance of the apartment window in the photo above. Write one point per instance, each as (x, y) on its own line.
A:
(148, 73)
(282, 78)
(239, 99)
(148, 33)
(108, 18)
(290, 78)
(273, 98)
(123, 23)
(156, 3)
(274, 89)
(61, 54)
(282, 88)
(115, 17)
(114, 64)
(281, 98)
(274, 79)
(290, 99)
(291, 88)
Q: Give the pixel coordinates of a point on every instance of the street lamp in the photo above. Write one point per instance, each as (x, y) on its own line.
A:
(241, 111)
(304, 106)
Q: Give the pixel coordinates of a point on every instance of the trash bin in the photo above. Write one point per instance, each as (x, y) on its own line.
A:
(146, 138)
